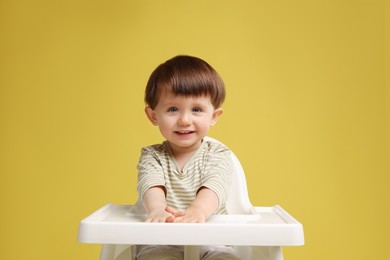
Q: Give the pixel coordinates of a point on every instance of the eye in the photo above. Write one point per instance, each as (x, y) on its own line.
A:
(197, 109)
(172, 109)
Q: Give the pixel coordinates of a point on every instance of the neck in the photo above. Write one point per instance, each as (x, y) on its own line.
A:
(183, 154)
(178, 151)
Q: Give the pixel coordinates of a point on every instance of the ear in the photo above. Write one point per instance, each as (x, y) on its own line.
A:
(216, 114)
(151, 115)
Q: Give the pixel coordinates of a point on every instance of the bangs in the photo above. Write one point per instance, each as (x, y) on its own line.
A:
(187, 76)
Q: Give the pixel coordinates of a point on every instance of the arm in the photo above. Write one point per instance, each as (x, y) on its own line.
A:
(214, 190)
(155, 205)
(203, 206)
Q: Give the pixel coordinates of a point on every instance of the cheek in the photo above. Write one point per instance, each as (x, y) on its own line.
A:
(165, 124)
(204, 125)
(164, 130)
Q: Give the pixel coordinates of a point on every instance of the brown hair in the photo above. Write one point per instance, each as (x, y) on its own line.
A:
(188, 76)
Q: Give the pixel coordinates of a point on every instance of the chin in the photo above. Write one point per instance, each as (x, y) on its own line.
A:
(186, 143)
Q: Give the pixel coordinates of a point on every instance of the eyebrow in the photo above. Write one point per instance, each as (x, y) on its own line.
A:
(194, 103)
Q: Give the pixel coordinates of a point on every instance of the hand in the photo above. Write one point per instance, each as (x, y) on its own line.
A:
(202, 207)
(192, 215)
(160, 215)
(167, 215)
(174, 213)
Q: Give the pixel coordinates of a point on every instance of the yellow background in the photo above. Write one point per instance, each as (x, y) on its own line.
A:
(307, 113)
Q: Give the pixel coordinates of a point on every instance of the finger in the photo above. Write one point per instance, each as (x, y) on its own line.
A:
(170, 219)
(155, 220)
(189, 220)
(179, 214)
(158, 220)
(170, 210)
(178, 220)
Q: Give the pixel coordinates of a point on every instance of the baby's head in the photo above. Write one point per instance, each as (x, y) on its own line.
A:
(185, 76)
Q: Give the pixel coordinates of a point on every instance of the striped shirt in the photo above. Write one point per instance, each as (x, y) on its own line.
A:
(210, 166)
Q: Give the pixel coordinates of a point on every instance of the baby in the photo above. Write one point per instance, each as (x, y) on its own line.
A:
(185, 179)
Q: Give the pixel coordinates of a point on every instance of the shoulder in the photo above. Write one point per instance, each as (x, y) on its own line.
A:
(215, 147)
(155, 149)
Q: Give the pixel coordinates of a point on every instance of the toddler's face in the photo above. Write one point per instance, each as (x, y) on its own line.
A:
(183, 121)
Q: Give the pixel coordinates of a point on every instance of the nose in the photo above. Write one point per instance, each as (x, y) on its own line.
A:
(184, 119)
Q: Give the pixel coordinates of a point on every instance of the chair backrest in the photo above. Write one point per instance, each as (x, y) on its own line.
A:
(238, 200)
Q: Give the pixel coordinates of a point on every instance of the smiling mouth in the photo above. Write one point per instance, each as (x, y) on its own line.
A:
(184, 132)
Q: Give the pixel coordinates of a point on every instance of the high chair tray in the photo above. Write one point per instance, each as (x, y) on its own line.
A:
(270, 226)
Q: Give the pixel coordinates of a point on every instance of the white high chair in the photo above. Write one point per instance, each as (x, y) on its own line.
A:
(255, 232)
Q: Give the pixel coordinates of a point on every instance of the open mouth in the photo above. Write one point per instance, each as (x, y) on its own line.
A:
(184, 132)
